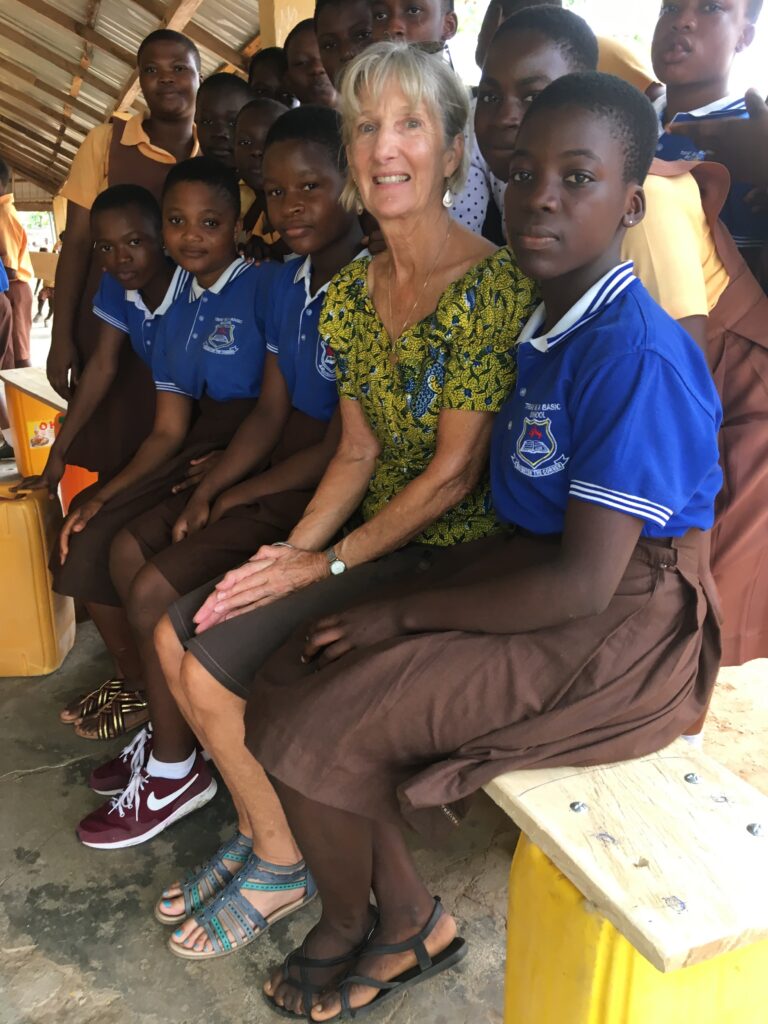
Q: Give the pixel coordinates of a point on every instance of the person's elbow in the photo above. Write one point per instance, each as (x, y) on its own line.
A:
(454, 483)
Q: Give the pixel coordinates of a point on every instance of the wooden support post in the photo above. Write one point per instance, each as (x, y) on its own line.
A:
(277, 18)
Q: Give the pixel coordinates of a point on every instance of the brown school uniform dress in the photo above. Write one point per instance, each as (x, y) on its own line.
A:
(15, 250)
(122, 421)
(738, 352)
(6, 333)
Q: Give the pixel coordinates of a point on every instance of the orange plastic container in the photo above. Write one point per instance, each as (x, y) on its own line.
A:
(75, 478)
(34, 429)
(37, 627)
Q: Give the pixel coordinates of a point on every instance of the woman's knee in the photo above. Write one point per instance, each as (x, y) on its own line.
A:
(204, 692)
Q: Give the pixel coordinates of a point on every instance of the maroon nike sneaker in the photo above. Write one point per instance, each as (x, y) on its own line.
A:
(146, 807)
(112, 778)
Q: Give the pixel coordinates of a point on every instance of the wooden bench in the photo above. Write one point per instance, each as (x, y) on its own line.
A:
(638, 893)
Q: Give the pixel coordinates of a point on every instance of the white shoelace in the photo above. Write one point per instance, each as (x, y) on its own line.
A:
(131, 795)
(135, 749)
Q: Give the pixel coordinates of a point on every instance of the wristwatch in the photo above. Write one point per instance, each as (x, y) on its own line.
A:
(335, 564)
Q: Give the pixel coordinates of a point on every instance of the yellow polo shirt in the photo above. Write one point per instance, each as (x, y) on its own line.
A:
(617, 59)
(673, 249)
(88, 175)
(14, 251)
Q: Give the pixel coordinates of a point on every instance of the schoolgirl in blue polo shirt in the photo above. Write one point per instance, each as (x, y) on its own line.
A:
(207, 363)
(262, 483)
(580, 640)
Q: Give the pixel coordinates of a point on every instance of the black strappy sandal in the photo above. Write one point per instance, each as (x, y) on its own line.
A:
(427, 967)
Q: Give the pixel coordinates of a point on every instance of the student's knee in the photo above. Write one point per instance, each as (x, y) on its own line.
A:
(148, 599)
(125, 560)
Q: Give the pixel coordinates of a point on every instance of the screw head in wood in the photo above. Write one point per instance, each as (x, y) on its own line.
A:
(692, 778)
(755, 829)
(578, 807)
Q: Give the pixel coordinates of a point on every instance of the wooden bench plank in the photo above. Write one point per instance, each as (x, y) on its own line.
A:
(669, 862)
(33, 381)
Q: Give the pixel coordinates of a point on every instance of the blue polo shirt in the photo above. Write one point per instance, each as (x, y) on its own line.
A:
(4, 285)
(126, 310)
(211, 340)
(306, 362)
(748, 229)
(614, 406)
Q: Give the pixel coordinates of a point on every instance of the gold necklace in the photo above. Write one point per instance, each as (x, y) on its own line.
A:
(393, 340)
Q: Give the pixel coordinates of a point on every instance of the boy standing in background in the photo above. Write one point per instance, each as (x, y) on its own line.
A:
(14, 255)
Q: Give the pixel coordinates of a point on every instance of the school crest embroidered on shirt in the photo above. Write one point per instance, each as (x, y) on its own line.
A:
(325, 360)
(536, 443)
(221, 340)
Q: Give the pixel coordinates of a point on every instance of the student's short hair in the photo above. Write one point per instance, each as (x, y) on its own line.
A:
(204, 169)
(566, 30)
(629, 113)
(5, 172)
(222, 81)
(263, 104)
(308, 25)
(754, 7)
(422, 78)
(274, 55)
(309, 123)
(167, 35)
(118, 197)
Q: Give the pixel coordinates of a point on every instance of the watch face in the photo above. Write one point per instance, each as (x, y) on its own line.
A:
(337, 567)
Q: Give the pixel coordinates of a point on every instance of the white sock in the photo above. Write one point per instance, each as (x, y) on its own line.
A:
(170, 769)
(695, 741)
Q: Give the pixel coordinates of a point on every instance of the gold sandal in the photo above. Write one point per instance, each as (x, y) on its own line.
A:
(110, 720)
(92, 702)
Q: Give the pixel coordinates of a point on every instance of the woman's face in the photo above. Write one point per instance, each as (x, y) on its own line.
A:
(398, 156)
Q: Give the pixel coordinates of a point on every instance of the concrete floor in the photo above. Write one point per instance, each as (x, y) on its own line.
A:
(78, 942)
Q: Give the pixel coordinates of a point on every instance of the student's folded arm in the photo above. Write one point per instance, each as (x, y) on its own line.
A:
(344, 483)
(94, 385)
(578, 580)
(299, 472)
(255, 439)
(63, 365)
(461, 456)
(173, 415)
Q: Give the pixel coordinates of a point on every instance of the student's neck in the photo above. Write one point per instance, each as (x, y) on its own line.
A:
(682, 98)
(206, 280)
(560, 294)
(175, 136)
(330, 260)
(153, 293)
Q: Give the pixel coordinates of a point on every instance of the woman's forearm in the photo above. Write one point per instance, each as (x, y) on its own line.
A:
(94, 384)
(341, 490)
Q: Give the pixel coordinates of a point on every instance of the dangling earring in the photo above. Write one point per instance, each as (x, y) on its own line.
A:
(448, 197)
(359, 208)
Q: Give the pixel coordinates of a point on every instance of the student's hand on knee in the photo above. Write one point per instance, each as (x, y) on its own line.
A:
(334, 636)
(194, 518)
(229, 499)
(196, 470)
(76, 523)
(63, 368)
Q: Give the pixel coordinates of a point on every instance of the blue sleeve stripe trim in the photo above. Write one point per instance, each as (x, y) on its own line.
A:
(108, 318)
(623, 502)
(162, 385)
(272, 348)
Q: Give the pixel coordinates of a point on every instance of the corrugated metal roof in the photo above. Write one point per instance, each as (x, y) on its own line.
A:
(40, 59)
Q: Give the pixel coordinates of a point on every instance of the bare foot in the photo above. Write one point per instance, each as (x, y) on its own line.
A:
(267, 900)
(385, 967)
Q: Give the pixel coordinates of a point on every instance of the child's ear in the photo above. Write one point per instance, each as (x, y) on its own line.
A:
(450, 26)
(747, 35)
(635, 210)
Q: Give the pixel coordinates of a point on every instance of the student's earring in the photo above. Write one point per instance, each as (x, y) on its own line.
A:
(448, 197)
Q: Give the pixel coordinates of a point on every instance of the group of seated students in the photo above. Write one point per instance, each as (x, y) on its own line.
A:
(374, 525)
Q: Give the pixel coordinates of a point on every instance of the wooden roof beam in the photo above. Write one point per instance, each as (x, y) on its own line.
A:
(31, 119)
(176, 17)
(19, 149)
(25, 75)
(71, 67)
(24, 130)
(78, 28)
(34, 104)
(33, 174)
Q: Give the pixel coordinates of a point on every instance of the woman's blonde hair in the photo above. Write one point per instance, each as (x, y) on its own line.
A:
(423, 77)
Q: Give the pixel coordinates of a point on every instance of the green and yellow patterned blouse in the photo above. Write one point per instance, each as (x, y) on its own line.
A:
(462, 356)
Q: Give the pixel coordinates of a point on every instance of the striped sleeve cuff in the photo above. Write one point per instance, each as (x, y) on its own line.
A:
(168, 385)
(272, 348)
(102, 314)
(630, 504)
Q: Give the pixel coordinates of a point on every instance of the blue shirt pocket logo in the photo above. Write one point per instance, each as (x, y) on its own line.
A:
(221, 340)
(536, 443)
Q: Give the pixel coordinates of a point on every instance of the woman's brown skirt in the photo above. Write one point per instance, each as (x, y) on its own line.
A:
(415, 724)
(85, 574)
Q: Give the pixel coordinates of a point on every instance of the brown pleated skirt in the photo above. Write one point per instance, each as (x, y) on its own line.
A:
(413, 726)
(238, 534)
(85, 574)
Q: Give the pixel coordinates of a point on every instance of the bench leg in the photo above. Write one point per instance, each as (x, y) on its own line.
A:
(567, 965)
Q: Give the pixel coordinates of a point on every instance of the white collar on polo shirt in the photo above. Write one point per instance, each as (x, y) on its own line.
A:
(729, 104)
(175, 288)
(600, 295)
(304, 273)
(235, 268)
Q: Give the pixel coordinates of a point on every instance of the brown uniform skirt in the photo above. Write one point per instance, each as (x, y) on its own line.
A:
(20, 298)
(419, 723)
(7, 361)
(238, 534)
(85, 574)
